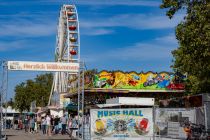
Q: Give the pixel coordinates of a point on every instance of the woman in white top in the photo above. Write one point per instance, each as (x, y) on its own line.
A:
(48, 119)
(35, 125)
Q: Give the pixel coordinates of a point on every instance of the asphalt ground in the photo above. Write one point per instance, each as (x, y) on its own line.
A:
(22, 135)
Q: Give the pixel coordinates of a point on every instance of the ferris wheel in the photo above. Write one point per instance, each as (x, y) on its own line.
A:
(67, 48)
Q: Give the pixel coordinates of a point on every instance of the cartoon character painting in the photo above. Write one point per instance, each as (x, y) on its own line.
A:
(133, 80)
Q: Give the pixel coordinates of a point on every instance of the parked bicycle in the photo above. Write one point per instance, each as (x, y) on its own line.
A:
(195, 131)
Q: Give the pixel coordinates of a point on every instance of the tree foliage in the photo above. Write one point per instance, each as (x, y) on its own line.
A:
(8, 103)
(88, 80)
(193, 34)
(33, 90)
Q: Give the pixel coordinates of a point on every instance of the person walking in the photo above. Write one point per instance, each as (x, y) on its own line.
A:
(63, 122)
(16, 124)
(70, 126)
(35, 125)
(48, 119)
(52, 122)
(39, 120)
(75, 126)
(20, 124)
(32, 123)
(26, 123)
(56, 124)
(43, 125)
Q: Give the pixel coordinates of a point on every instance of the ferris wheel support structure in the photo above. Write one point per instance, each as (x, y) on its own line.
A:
(67, 47)
(68, 50)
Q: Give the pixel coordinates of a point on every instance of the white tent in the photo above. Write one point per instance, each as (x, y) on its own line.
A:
(9, 109)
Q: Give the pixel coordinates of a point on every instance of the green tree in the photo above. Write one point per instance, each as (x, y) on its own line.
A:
(21, 98)
(10, 103)
(44, 84)
(33, 90)
(193, 35)
(88, 78)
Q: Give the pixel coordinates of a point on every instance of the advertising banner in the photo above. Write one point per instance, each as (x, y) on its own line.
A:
(170, 122)
(115, 124)
(43, 66)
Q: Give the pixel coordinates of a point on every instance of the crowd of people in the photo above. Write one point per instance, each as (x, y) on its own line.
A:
(46, 125)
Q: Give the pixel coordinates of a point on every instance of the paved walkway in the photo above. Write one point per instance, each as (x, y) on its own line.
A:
(21, 135)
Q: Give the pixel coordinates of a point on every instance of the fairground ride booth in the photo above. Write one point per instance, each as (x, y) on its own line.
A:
(104, 87)
(111, 84)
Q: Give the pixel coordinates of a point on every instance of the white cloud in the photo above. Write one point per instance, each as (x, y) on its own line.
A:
(150, 3)
(96, 31)
(141, 51)
(42, 24)
(19, 31)
(170, 39)
(119, 2)
(133, 21)
(11, 45)
(27, 29)
(89, 26)
(24, 24)
(155, 49)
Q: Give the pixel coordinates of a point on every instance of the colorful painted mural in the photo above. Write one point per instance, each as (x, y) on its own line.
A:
(138, 81)
(126, 124)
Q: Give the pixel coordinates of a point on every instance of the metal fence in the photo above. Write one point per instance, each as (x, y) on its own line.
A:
(178, 122)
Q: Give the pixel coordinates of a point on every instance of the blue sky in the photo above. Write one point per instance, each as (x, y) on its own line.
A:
(127, 35)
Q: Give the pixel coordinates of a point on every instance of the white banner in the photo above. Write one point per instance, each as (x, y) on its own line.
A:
(43, 66)
(126, 124)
